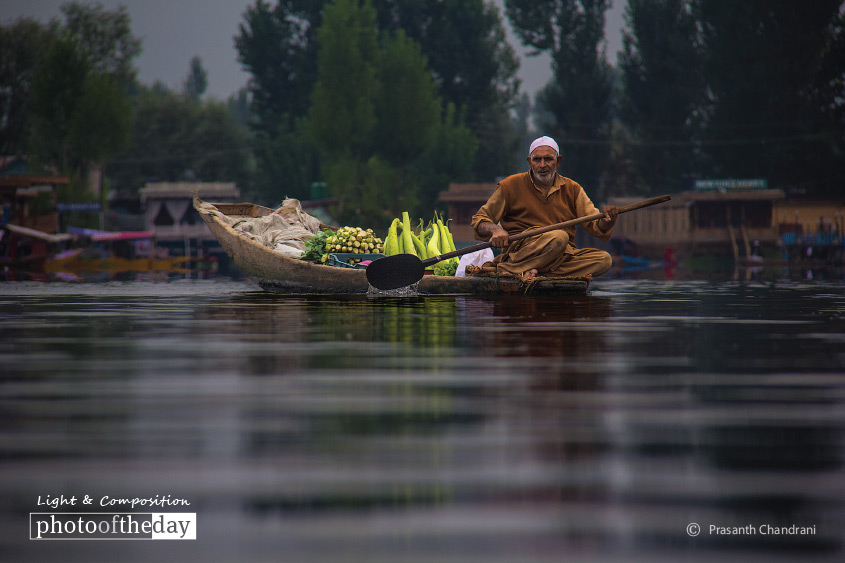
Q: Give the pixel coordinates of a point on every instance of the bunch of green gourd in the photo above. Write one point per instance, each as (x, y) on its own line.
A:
(428, 241)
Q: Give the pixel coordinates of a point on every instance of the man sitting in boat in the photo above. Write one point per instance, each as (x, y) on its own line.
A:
(538, 198)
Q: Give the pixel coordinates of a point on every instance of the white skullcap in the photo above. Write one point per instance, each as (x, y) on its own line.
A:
(543, 142)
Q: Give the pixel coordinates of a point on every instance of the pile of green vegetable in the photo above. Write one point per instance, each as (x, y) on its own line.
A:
(446, 267)
(346, 239)
(427, 241)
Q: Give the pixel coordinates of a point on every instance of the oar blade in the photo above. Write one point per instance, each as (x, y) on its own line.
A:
(393, 272)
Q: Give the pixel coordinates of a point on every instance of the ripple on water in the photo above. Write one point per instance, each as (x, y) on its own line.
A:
(432, 428)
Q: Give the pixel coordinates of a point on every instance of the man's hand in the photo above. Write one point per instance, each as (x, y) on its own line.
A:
(609, 220)
(497, 236)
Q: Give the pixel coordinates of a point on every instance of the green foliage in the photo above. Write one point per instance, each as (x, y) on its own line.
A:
(57, 90)
(174, 138)
(449, 159)
(343, 113)
(238, 104)
(663, 88)
(468, 60)
(101, 122)
(63, 99)
(105, 38)
(22, 44)
(706, 89)
(376, 119)
(473, 66)
(380, 195)
(407, 104)
(286, 162)
(464, 41)
(446, 267)
(197, 80)
(767, 112)
(315, 248)
(278, 47)
(712, 89)
(579, 96)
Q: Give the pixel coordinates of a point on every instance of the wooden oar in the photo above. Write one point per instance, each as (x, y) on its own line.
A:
(401, 270)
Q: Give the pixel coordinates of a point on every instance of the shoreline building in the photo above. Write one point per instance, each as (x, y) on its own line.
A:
(718, 217)
(463, 201)
(178, 228)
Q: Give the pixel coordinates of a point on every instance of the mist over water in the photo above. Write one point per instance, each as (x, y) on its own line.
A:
(446, 428)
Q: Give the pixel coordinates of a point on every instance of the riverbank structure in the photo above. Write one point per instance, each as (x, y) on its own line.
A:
(170, 215)
(704, 222)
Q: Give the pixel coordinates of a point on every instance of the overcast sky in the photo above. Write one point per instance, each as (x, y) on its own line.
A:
(173, 31)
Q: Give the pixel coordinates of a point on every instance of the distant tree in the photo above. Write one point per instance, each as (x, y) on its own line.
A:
(449, 159)
(473, 66)
(57, 90)
(380, 140)
(343, 110)
(174, 138)
(238, 104)
(105, 38)
(663, 89)
(22, 44)
(101, 121)
(278, 47)
(771, 91)
(407, 104)
(579, 95)
(64, 89)
(525, 129)
(411, 134)
(828, 93)
(197, 80)
(78, 118)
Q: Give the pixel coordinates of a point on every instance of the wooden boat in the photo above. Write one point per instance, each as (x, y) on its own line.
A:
(275, 272)
(27, 249)
(74, 262)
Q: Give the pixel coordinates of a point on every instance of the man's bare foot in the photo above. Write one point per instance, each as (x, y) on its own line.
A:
(530, 274)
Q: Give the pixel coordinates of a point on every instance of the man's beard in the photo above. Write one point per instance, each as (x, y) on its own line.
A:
(545, 177)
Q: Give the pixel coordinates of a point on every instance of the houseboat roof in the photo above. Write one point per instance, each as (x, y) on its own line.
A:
(692, 196)
(731, 195)
(15, 181)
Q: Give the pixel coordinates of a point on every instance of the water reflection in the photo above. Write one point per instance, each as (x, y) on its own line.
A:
(440, 428)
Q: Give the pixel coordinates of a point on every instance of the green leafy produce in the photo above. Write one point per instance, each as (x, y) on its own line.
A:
(446, 267)
(315, 248)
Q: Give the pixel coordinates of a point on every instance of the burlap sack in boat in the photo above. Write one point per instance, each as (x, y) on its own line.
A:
(284, 230)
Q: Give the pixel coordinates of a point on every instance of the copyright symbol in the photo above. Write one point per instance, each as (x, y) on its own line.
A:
(693, 529)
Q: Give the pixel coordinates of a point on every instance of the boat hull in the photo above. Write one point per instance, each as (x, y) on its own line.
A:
(277, 273)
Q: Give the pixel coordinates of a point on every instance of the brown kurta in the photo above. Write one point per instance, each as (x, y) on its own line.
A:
(518, 204)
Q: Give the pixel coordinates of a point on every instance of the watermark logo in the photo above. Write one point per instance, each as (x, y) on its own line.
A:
(112, 526)
(74, 525)
(693, 530)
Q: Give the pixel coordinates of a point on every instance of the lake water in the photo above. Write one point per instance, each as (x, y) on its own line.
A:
(448, 429)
